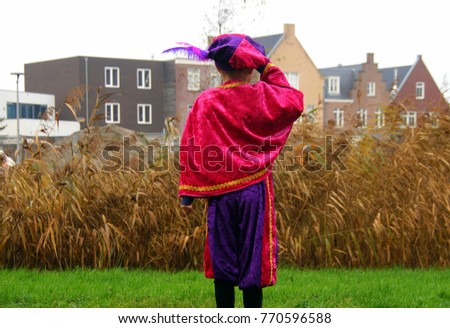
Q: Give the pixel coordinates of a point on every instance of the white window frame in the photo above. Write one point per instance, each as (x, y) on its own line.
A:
(215, 80)
(109, 109)
(293, 79)
(109, 73)
(379, 118)
(420, 90)
(193, 79)
(338, 115)
(362, 115)
(409, 119)
(334, 85)
(371, 89)
(311, 113)
(434, 119)
(144, 82)
(146, 120)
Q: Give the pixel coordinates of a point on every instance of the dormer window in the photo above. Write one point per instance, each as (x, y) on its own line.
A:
(334, 87)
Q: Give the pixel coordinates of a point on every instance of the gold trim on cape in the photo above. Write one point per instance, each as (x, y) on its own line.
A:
(231, 85)
(225, 184)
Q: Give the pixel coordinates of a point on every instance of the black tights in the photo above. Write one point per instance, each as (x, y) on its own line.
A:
(224, 291)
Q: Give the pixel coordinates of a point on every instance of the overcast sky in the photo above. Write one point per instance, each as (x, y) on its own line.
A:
(332, 32)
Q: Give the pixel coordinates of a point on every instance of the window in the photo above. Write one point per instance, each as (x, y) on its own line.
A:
(193, 79)
(310, 113)
(144, 78)
(379, 118)
(434, 119)
(420, 90)
(112, 78)
(112, 113)
(410, 119)
(31, 111)
(371, 89)
(11, 110)
(339, 117)
(144, 114)
(215, 80)
(362, 115)
(293, 79)
(334, 85)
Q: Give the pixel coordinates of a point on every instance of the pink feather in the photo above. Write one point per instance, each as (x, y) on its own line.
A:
(189, 50)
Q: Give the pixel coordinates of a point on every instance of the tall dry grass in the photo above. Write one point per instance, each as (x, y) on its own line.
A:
(389, 206)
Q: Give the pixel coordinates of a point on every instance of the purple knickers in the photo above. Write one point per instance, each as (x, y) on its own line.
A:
(241, 245)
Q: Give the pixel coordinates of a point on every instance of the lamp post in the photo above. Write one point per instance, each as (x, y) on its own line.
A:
(18, 158)
(87, 91)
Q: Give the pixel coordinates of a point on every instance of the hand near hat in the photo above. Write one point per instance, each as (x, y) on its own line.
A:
(233, 52)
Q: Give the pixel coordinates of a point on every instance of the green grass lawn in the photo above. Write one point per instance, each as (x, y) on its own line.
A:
(120, 288)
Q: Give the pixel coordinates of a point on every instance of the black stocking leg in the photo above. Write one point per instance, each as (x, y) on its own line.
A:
(224, 291)
(253, 297)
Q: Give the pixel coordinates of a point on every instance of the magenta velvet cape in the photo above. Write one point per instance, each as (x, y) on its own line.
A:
(234, 133)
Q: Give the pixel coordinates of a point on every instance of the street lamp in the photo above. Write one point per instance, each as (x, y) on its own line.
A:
(18, 158)
(87, 91)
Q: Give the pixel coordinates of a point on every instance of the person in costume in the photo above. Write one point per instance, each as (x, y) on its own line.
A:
(232, 137)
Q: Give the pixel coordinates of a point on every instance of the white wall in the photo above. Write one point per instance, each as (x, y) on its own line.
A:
(7, 96)
(29, 127)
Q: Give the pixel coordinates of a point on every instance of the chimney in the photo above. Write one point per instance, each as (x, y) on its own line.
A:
(370, 58)
(289, 31)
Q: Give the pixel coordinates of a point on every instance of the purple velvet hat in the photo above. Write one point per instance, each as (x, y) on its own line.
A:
(230, 52)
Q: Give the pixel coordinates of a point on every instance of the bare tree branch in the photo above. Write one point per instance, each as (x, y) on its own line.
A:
(228, 16)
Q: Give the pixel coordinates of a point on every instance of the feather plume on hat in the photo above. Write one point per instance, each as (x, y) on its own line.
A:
(230, 52)
(188, 50)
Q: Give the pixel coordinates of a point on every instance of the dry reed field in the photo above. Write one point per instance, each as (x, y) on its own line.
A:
(388, 205)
